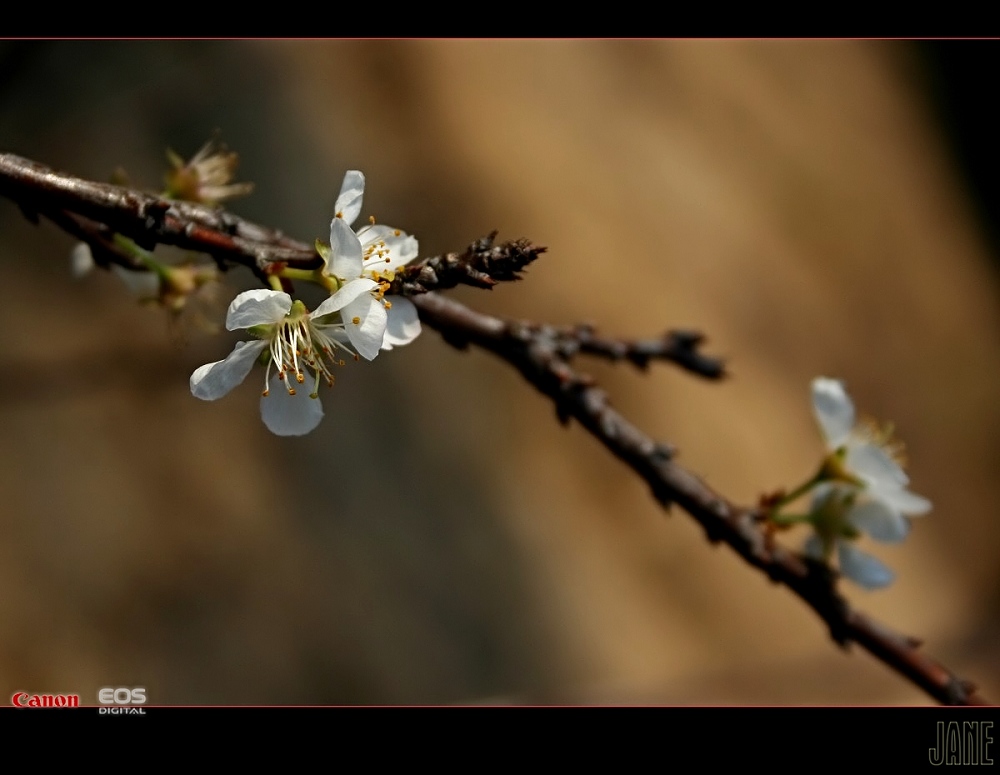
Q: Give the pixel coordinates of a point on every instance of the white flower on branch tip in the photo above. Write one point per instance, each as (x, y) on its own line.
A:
(292, 341)
(374, 252)
(864, 487)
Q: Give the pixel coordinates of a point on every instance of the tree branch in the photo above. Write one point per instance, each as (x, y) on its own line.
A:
(534, 352)
(93, 212)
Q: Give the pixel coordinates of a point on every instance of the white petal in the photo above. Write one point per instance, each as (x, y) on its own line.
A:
(367, 334)
(145, 285)
(287, 415)
(834, 410)
(862, 568)
(404, 249)
(346, 260)
(81, 260)
(902, 500)
(257, 307)
(403, 325)
(872, 463)
(355, 288)
(879, 520)
(348, 204)
(401, 246)
(214, 380)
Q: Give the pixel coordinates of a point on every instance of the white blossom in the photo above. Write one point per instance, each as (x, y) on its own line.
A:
(292, 342)
(373, 252)
(864, 489)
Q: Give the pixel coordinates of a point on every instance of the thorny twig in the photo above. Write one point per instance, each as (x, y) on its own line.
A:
(542, 353)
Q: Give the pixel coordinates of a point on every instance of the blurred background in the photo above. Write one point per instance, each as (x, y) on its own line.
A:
(817, 208)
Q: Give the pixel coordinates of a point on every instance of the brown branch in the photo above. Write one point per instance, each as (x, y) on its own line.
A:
(481, 265)
(535, 353)
(151, 220)
(94, 212)
(679, 347)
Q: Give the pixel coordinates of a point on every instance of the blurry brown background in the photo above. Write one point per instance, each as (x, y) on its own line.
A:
(440, 538)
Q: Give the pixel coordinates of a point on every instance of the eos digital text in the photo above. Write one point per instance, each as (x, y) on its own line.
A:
(121, 701)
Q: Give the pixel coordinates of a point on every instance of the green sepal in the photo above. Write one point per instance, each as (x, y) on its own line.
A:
(324, 250)
(262, 331)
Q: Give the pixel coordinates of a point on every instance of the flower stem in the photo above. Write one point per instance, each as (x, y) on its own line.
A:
(787, 520)
(143, 256)
(802, 489)
(298, 274)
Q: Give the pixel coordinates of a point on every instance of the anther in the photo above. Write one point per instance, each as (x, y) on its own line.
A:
(299, 377)
(355, 320)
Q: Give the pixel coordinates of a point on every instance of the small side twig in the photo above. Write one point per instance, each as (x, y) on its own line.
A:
(481, 265)
(677, 346)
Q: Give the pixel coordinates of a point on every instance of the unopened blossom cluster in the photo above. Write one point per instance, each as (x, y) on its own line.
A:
(298, 349)
(860, 488)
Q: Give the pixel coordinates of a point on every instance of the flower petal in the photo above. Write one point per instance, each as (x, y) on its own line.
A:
(257, 307)
(214, 380)
(367, 333)
(348, 205)
(403, 324)
(872, 463)
(862, 568)
(351, 291)
(288, 415)
(879, 520)
(834, 410)
(81, 260)
(346, 261)
(401, 246)
(903, 500)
